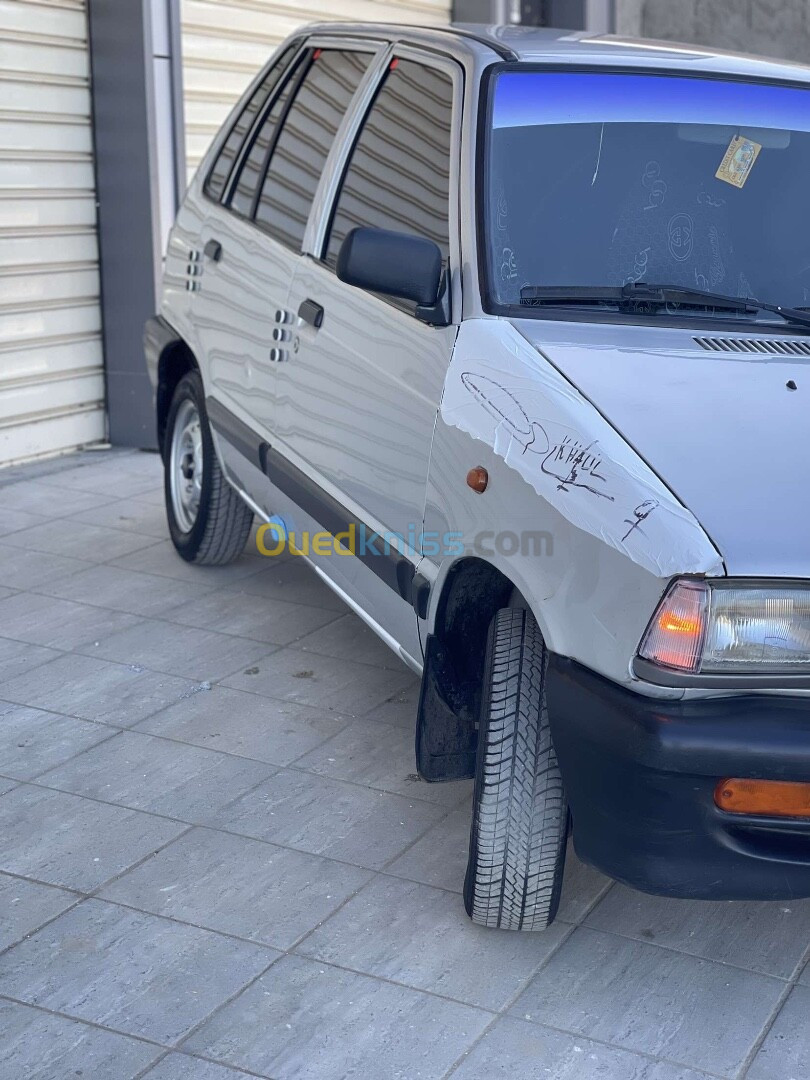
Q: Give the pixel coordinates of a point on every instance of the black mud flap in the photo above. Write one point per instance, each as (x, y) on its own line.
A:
(445, 740)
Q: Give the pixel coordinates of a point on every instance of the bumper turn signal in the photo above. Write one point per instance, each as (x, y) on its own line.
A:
(770, 798)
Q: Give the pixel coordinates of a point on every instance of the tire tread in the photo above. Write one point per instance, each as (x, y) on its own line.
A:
(520, 817)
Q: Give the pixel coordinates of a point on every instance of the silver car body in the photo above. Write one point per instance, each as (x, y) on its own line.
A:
(390, 416)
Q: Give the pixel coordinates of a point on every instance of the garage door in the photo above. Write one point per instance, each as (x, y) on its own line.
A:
(225, 42)
(51, 377)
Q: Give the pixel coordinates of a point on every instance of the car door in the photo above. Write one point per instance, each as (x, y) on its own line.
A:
(358, 398)
(242, 279)
(253, 240)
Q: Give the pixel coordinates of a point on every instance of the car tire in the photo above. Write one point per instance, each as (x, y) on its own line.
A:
(520, 814)
(208, 522)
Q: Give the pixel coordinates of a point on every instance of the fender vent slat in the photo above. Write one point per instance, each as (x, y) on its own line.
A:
(771, 347)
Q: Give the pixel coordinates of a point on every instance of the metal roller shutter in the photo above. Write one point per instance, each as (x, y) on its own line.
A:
(225, 42)
(51, 374)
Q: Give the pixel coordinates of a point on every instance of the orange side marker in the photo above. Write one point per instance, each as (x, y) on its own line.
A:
(770, 798)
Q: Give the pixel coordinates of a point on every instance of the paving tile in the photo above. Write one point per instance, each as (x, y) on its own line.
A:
(440, 857)
(320, 681)
(136, 515)
(420, 936)
(293, 580)
(61, 839)
(163, 560)
(26, 905)
(274, 621)
(696, 1012)
(184, 1067)
(178, 650)
(22, 569)
(582, 887)
(40, 1046)
(48, 499)
(401, 708)
(146, 773)
(380, 756)
(247, 725)
(327, 817)
(19, 657)
(785, 1053)
(61, 624)
(120, 694)
(14, 520)
(125, 590)
(134, 973)
(515, 1050)
(79, 540)
(239, 886)
(32, 741)
(312, 1022)
(766, 937)
(114, 479)
(349, 638)
(6, 784)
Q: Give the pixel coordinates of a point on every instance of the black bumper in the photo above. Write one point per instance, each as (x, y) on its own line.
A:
(640, 775)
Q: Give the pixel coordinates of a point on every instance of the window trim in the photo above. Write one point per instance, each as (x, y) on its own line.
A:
(312, 43)
(315, 241)
(295, 81)
(238, 112)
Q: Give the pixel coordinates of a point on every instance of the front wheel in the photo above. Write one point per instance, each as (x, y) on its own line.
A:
(208, 522)
(520, 815)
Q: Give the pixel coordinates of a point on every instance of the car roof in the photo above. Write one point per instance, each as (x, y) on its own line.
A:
(575, 48)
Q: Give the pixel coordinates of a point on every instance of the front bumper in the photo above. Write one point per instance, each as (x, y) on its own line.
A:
(640, 774)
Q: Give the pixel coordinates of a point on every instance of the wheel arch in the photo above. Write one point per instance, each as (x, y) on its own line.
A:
(174, 361)
(471, 591)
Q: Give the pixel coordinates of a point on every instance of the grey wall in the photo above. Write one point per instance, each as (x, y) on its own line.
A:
(771, 27)
(138, 159)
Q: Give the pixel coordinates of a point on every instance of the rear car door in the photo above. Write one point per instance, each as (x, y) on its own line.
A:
(252, 239)
(357, 400)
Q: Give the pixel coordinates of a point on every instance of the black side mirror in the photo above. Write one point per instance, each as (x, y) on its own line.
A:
(397, 264)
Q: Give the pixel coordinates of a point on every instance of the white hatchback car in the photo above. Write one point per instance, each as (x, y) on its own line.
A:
(509, 333)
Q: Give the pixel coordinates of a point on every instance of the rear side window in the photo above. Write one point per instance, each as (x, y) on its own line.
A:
(252, 171)
(398, 176)
(303, 145)
(221, 169)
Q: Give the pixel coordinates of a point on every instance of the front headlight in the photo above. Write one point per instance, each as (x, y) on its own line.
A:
(727, 628)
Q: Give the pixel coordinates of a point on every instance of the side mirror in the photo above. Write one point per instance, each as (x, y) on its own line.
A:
(397, 264)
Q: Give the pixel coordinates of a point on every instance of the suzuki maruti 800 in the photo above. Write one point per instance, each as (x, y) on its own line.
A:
(511, 332)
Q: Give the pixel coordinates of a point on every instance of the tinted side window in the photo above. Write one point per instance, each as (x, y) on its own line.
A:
(218, 177)
(252, 171)
(398, 176)
(306, 138)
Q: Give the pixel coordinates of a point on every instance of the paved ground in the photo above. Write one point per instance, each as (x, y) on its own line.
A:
(217, 860)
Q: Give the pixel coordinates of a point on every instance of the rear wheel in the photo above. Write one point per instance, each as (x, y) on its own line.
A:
(208, 522)
(520, 815)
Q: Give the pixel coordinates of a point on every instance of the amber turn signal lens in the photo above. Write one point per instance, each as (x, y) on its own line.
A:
(477, 479)
(771, 798)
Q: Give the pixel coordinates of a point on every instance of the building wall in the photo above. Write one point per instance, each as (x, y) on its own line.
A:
(51, 375)
(778, 28)
(225, 42)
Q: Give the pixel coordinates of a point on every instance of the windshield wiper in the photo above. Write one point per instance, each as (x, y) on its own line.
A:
(640, 297)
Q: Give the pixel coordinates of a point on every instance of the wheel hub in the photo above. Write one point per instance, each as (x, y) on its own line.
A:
(186, 465)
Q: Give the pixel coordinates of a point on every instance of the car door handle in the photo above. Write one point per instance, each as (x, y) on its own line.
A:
(311, 313)
(213, 250)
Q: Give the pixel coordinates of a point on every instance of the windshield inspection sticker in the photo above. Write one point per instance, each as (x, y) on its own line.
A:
(738, 161)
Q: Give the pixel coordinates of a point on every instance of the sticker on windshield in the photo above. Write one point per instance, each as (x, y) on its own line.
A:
(738, 161)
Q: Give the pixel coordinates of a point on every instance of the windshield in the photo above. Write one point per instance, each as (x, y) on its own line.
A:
(598, 180)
